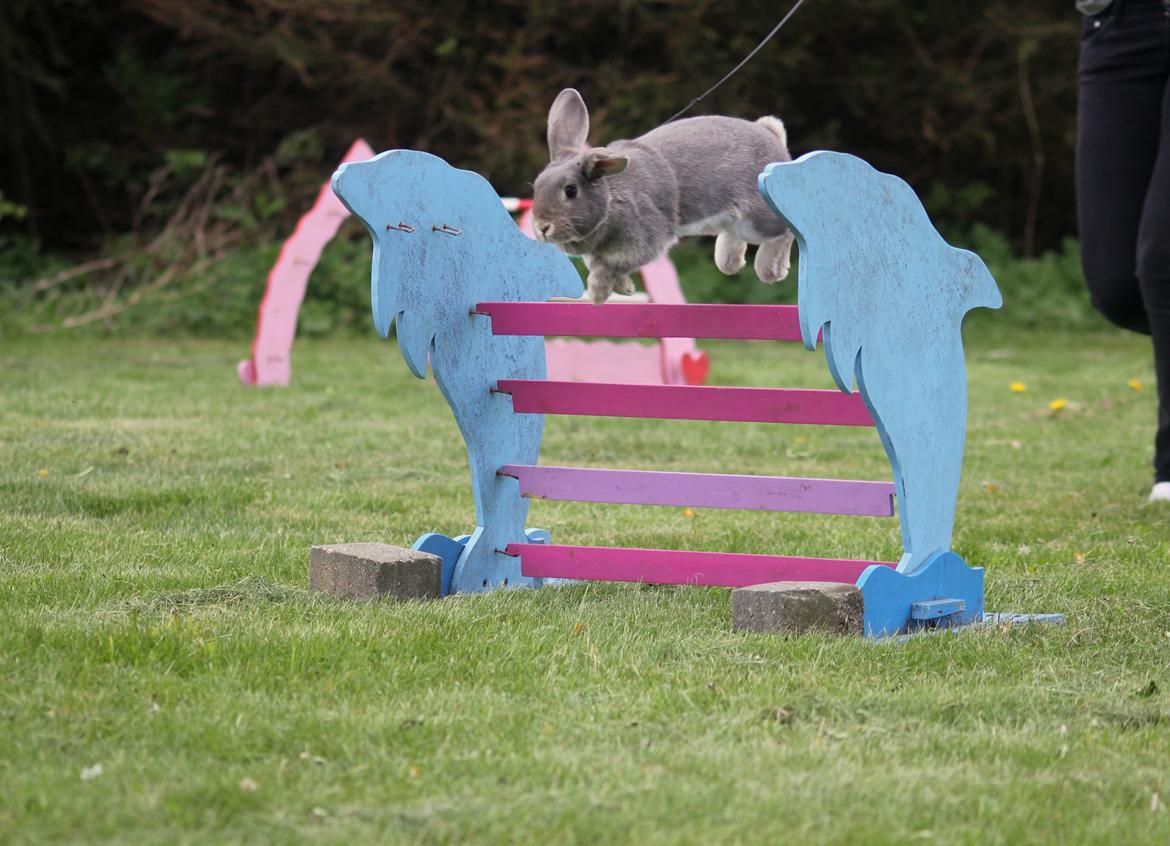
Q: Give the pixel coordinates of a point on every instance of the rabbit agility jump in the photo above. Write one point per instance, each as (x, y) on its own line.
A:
(467, 292)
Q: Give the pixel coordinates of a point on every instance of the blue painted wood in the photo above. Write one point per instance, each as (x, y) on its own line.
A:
(889, 595)
(990, 618)
(890, 294)
(442, 243)
(936, 609)
(1009, 619)
(448, 549)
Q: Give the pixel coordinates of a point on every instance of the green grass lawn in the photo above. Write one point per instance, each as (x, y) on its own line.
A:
(155, 524)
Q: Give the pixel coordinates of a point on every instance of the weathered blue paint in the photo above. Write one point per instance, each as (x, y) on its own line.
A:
(936, 609)
(888, 595)
(450, 550)
(442, 243)
(1009, 619)
(890, 294)
(990, 618)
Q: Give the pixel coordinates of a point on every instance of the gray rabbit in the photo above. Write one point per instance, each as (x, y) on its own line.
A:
(621, 206)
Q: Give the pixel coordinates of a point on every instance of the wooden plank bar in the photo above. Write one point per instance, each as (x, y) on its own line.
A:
(645, 320)
(687, 402)
(680, 567)
(705, 490)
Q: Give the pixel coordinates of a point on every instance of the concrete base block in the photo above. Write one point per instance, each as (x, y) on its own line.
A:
(367, 571)
(797, 608)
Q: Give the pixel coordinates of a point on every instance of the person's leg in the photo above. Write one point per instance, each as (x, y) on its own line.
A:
(1123, 184)
(1153, 272)
(1118, 124)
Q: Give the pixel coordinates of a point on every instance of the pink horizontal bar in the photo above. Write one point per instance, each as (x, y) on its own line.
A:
(704, 490)
(679, 567)
(687, 402)
(645, 320)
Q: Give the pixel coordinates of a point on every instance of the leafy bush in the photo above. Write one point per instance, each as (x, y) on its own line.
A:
(1045, 292)
(221, 299)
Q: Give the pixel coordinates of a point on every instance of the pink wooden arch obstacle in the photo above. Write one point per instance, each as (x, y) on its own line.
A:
(672, 361)
(276, 321)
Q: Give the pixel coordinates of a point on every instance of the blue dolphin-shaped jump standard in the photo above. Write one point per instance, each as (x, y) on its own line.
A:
(890, 294)
(442, 243)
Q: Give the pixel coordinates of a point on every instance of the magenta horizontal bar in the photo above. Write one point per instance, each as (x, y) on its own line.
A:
(687, 402)
(645, 320)
(679, 567)
(705, 490)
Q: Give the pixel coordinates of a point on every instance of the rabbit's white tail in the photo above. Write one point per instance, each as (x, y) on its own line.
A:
(776, 127)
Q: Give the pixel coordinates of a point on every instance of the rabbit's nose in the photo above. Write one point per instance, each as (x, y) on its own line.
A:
(545, 229)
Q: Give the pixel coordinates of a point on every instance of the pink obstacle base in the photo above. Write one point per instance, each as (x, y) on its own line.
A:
(680, 567)
(276, 321)
(704, 490)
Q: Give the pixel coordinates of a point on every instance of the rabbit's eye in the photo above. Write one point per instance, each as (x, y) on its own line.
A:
(570, 191)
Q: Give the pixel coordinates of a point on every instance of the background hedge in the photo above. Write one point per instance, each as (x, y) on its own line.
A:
(112, 112)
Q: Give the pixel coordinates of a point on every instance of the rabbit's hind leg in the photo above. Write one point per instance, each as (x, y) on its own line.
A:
(730, 252)
(773, 258)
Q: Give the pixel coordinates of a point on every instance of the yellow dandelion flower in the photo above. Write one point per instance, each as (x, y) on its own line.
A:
(1057, 404)
(990, 487)
(688, 512)
(415, 772)
(1135, 384)
(43, 472)
(1017, 387)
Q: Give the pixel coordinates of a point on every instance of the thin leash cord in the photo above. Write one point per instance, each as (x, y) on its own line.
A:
(735, 69)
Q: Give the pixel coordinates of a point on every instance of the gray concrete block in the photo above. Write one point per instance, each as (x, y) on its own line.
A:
(797, 608)
(374, 570)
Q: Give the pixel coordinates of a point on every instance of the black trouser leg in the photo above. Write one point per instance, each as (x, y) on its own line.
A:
(1153, 272)
(1123, 181)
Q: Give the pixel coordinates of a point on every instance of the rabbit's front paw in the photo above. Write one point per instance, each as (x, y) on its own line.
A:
(773, 258)
(771, 277)
(730, 253)
(625, 285)
(600, 287)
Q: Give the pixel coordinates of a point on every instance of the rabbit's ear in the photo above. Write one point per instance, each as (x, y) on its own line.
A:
(602, 162)
(568, 124)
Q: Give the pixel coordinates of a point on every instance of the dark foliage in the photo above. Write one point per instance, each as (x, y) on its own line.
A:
(972, 102)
